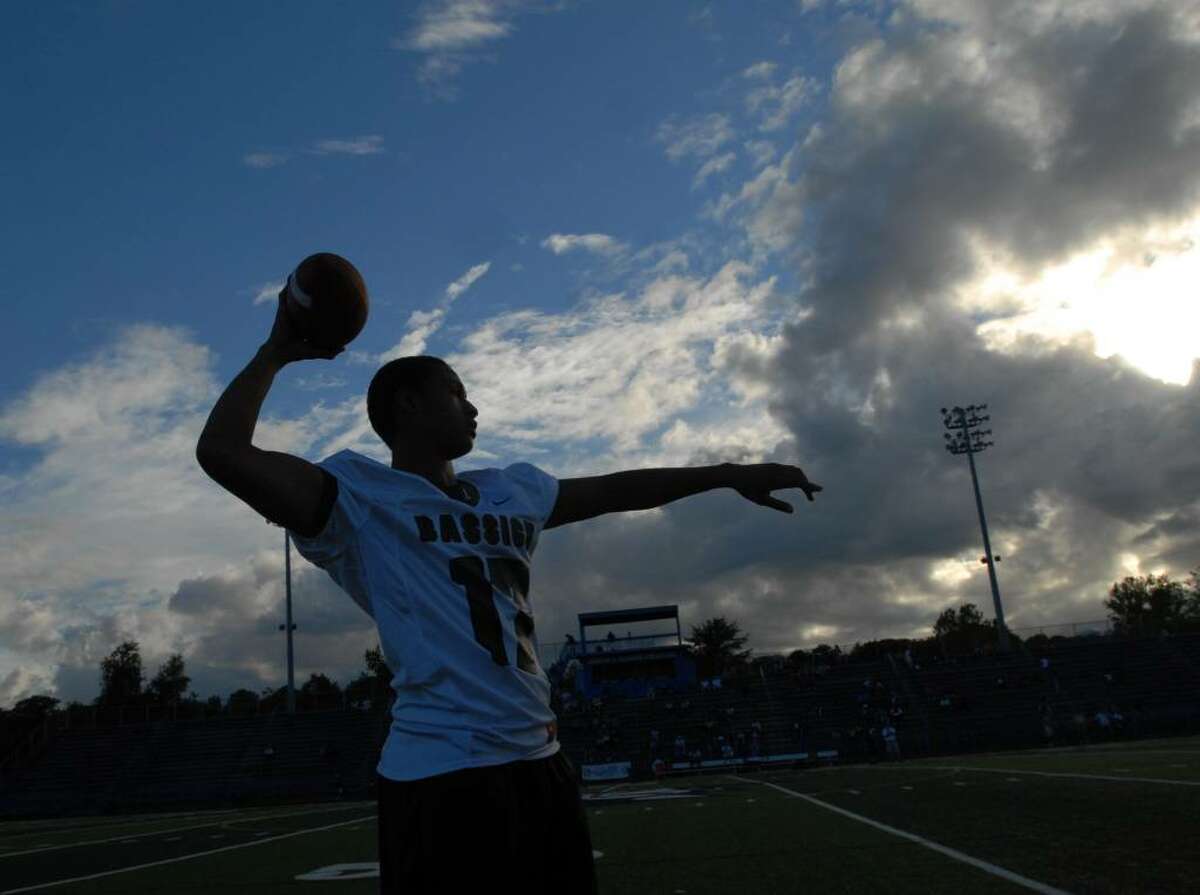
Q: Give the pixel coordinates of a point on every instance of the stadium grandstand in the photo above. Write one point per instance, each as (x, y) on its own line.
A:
(633, 707)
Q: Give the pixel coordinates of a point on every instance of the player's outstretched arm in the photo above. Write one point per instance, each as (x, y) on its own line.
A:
(643, 489)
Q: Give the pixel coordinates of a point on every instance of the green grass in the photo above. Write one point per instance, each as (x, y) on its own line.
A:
(727, 834)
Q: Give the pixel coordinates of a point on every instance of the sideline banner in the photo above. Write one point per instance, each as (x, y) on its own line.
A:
(617, 770)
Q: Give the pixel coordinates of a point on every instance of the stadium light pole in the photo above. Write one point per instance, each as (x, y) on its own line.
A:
(289, 627)
(966, 438)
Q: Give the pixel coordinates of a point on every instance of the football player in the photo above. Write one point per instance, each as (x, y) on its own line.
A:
(473, 788)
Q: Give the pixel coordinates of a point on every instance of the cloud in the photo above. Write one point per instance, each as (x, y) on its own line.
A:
(776, 105)
(977, 137)
(697, 138)
(759, 71)
(450, 34)
(615, 368)
(463, 283)
(423, 324)
(268, 292)
(714, 165)
(264, 159)
(597, 243)
(368, 145)
(762, 152)
(113, 513)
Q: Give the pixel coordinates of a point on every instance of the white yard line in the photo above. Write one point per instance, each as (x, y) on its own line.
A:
(985, 866)
(223, 822)
(1063, 774)
(200, 854)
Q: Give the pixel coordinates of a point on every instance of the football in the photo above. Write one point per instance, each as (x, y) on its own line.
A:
(326, 300)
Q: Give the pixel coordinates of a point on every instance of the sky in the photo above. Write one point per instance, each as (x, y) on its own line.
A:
(644, 235)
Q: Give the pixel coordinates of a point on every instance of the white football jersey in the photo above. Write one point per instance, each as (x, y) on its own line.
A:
(447, 582)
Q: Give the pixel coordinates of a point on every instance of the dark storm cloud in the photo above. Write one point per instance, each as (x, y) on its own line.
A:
(1031, 134)
(901, 179)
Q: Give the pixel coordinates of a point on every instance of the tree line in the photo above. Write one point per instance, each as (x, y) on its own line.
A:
(123, 684)
(1138, 606)
(1148, 605)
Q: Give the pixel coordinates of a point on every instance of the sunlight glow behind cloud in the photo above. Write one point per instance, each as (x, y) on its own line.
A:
(1136, 295)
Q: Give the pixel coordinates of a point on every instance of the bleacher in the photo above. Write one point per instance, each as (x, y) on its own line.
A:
(1155, 683)
(315, 755)
(1156, 686)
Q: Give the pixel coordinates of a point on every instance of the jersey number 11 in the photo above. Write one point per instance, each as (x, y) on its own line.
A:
(512, 577)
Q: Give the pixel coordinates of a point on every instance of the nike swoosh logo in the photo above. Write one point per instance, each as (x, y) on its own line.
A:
(501, 500)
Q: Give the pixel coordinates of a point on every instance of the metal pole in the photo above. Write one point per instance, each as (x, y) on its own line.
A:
(957, 419)
(1001, 628)
(287, 573)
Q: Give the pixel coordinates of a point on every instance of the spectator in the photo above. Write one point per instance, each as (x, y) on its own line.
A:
(1001, 683)
(1103, 722)
(757, 727)
(680, 748)
(1118, 720)
(889, 740)
(726, 750)
(697, 757)
(659, 767)
(653, 742)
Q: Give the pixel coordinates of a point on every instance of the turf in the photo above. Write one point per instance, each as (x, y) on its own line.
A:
(718, 833)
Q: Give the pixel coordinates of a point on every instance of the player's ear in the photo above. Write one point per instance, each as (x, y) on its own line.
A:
(406, 401)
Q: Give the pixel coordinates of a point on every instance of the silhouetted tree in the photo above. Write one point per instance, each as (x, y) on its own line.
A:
(319, 692)
(372, 687)
(121, 676)
(878, 649)
(717, 645)
(1152, 603)
(242, 702)
(169, 685)
(35, 706)
(273, 700)
(824, 654)
(962, 631)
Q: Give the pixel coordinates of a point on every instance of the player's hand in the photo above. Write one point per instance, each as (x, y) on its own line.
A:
(755, 482)
(287, 345)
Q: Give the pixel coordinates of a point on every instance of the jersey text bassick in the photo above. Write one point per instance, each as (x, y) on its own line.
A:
(476, 529)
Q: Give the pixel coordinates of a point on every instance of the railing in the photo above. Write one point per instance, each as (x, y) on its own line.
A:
(552, 652)
(1100, 628)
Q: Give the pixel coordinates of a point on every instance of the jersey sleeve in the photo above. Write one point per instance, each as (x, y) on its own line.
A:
(346, 514)
(540, 488)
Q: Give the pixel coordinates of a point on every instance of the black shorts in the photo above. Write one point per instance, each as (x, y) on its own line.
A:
(516, 827)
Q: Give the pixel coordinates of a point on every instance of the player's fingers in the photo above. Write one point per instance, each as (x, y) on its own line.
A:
(767, 500)
(810, 489)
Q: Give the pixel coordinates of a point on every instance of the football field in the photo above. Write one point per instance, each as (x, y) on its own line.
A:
(1106, 819)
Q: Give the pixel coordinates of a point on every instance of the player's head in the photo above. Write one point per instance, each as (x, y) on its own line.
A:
(420, 401)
